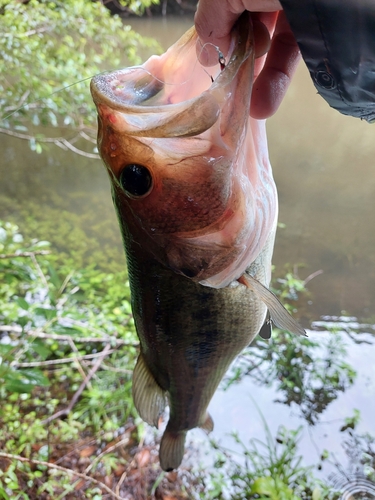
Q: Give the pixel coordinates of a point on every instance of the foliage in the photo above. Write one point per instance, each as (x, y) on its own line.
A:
(267, 470)
(45, 318)
(137, 6)
(48, 317)
(50, 45)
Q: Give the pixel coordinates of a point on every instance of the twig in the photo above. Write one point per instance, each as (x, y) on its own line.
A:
(80, 367)
(312, 276)
(116, 370)
(24, 254)
(19, 104)
(87, 137)
(83, 340)
(129, 467)
(66, 338)
(42, 29)
(39, 271)
(76, 396)
(62, 469)
(51, 362)
(61, 142)
(97, 459)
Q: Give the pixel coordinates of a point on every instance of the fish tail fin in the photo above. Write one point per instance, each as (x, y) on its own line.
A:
(207, 424)
(149, 398)
(172, 449)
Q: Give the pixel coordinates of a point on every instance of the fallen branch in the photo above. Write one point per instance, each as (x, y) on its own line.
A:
(83, 340)
(77, 395)
(67, 338)
(50, 362)
(62, 469)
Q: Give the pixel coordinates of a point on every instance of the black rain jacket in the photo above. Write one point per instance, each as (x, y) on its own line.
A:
(337, 42)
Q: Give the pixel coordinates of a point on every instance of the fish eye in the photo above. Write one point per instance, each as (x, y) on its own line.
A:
(135, 180)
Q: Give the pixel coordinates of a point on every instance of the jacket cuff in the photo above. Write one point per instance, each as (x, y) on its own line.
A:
(337, 43)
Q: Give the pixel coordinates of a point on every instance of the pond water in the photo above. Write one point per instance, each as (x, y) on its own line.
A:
(324, 167)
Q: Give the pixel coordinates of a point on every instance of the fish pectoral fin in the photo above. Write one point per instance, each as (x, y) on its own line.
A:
(279, 315)
(266, 331)
(172, 447)
(207, 424)
(149, 398)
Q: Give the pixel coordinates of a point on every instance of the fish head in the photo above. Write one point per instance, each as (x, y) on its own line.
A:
(189, 169)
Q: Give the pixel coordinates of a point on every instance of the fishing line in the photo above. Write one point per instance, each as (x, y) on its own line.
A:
(47, 96)
(221, 62)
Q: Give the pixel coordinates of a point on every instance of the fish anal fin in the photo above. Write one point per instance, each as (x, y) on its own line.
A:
(266, 331)
(172, 449)
(279, 315)
(149, 398)
(207, 424)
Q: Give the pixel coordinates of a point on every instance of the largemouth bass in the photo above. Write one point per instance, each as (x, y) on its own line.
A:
(197, 206)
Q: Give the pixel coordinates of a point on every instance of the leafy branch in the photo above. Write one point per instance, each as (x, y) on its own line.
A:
(50, 51)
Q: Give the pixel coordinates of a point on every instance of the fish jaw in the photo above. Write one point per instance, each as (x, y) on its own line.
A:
(204, 216)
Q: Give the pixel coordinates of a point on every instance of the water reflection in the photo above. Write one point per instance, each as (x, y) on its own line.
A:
(307, 374)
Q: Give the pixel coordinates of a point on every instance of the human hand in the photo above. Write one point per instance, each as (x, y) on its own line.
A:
(276, 49)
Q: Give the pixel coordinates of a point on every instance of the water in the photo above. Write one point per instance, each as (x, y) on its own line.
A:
(324, 168)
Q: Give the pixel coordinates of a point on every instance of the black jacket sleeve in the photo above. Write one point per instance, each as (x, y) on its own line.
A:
(337, 42)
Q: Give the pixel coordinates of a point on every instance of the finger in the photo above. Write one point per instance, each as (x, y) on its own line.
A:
(263, 27)
(214, 21)
(275, 77)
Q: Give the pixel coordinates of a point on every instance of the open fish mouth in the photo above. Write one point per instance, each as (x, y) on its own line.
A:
(189, 168)
(171, 95)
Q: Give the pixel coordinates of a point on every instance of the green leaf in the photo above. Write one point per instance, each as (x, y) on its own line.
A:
(23, 303)
(46, 312)
(317, 494)
(53, 276)
(3, 494)
(41, 349)
(14, 385)
(5, 349)
(263, 486)
(35, 377)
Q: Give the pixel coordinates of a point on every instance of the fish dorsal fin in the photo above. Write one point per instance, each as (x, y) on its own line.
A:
(279, 315)
(172, 449)
(266, 331)
(149, 398)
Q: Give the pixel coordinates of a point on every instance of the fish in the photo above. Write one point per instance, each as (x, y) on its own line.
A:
(197, 206)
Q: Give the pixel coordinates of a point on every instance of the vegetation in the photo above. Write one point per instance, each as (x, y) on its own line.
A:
(50, 46)
(270, 470)
(68, 428)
